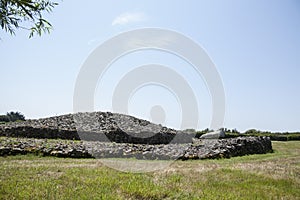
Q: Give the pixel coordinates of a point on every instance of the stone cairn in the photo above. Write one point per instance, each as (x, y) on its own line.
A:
(105, 134)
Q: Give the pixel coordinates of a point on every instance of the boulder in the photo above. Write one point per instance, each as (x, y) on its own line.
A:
(214, 135)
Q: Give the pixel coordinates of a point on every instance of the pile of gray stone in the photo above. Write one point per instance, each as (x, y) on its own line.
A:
(94, 126)
(105, 134)
(199, 149)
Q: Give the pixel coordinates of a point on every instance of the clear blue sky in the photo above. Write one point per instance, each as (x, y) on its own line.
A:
(255, 46)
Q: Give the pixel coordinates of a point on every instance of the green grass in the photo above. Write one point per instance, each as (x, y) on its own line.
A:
(267, 176)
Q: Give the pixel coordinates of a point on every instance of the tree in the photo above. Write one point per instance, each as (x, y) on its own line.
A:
(14, 116)
(252, 132)
(29, 13)
(4, 118)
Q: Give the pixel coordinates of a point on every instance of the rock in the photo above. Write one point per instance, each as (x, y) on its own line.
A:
(4, 151)
(91, 126)
(214, 135)
(208, 149)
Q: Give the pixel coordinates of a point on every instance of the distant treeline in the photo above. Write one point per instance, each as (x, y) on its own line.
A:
(231, 133)
(12, 117)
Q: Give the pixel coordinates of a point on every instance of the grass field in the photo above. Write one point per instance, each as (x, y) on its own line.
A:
(269, 176)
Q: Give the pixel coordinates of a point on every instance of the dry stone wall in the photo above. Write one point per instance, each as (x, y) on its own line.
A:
(105, 134)
(199, 149)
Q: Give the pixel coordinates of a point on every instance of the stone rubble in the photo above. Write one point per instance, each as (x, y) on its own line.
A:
(111, 135)
(94, 126)
(199, 149)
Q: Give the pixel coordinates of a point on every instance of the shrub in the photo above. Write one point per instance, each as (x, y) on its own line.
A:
(4, 118)
(14, 116)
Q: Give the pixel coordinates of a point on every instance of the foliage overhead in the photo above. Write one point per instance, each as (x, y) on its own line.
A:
(25, 14)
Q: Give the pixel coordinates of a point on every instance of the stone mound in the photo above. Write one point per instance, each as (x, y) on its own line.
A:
(105, 134)
(95, 126)
(199, 149)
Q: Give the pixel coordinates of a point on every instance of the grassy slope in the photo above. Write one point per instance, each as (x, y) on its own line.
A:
(269, 176)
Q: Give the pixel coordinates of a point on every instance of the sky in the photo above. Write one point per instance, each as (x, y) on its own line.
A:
(255, 46)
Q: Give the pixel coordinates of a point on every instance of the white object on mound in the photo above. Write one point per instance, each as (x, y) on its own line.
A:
(213, 135)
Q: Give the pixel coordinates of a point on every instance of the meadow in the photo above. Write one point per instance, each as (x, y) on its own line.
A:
(264, 176)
